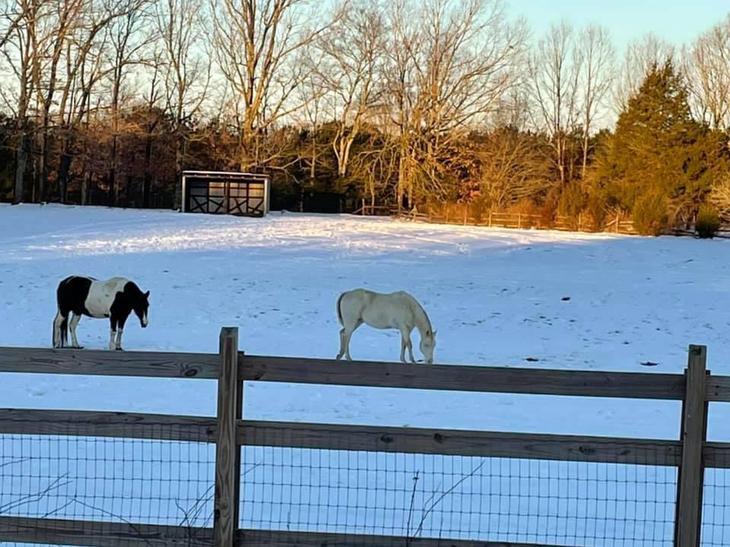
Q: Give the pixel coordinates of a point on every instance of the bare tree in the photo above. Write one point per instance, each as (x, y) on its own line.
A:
(598, 58)
(55, 40)
(180, 24)
(152, 99)
(349, 58)
(127, 42)
(639, 57)
(22, 54)
(402, 92)
(707, 66)
(312, 96)
(513, 166)
(256, 43)
(85, 67)
(450, 63)
(555, 68)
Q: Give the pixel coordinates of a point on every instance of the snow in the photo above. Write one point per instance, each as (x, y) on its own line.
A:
(496, 297)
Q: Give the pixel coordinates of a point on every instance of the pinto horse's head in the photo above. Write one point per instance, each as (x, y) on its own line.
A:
(428, 343)
(141, 307)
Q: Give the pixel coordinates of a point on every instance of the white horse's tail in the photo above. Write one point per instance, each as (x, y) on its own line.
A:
(339, 310)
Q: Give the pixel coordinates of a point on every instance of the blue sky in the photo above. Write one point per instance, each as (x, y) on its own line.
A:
(677, 21)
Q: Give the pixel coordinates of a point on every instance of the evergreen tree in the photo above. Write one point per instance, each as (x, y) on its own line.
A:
(659, 163)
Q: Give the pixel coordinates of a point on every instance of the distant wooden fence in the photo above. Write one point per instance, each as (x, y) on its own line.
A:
(497, 219)
(690, 453)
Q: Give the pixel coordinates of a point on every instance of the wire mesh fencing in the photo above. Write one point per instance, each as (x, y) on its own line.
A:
(716, 501)
(106, 480)
(409, 496)
(71, 474)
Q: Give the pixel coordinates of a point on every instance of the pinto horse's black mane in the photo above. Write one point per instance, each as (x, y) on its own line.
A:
(131, 290)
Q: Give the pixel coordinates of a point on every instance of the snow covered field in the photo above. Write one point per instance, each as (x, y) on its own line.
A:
(496, 297)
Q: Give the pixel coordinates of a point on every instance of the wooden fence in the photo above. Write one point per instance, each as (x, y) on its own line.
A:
(498, 219)
(690, 453)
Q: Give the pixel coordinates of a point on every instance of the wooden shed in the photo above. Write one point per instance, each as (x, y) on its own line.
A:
(220, 192)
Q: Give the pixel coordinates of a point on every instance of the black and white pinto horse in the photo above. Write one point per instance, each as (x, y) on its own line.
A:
(114, 298)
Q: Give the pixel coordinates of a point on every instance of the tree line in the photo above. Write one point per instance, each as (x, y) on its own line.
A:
(411, 104)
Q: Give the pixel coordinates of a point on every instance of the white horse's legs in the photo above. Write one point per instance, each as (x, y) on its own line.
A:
(410, 349)
(58, 330)
(72, 327)
(405, 343)
(119, 339)
(342, 344)
(345, 335)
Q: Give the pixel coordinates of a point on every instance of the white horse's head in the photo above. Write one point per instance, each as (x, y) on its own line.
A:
(428, 344)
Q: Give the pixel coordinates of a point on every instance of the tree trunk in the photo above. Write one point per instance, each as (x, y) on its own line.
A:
(42, 162)
(147, 174)
(21, 163)
(112, 192)
(313, 166)
(85, 187)
(128, 186)
(64, 167)
(180, 151)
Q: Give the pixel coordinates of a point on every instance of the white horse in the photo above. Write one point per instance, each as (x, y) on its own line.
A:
(398, 310)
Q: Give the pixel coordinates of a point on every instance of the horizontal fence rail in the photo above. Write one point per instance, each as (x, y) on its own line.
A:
(129, 425)
(625, 385)
(313, 539)
(717, 389)
(147, 364)
(460, 443)
(77, 532)
(357, 373)
(233, 369)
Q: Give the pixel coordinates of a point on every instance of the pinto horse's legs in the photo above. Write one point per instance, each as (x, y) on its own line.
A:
(120, 329)
(72, 327)
(59, 330)
(113, 333)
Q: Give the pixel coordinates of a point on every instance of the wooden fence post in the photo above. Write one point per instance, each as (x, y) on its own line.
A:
(227, 451)
(693, 435)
